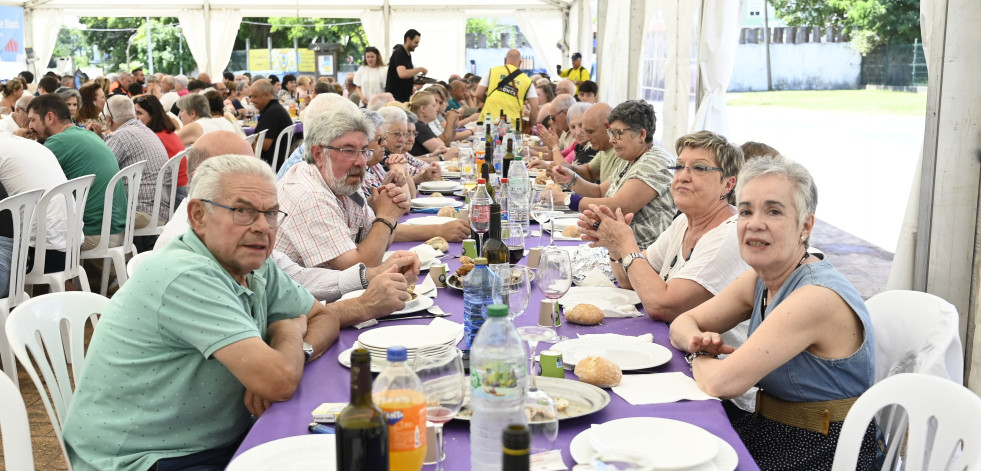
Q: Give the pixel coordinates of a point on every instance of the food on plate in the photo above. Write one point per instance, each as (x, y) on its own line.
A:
(542, 178)
(435, 194)
(448, 212)
(439, 243)
(599, 372)
(584, 314)
(465, 267)
(571, 231)
(561, 404)
(538, 413)
(452, 168)
(553, 186)
(412, 295)
(467, 260)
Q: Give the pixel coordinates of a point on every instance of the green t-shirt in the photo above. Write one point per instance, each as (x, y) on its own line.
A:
(81, 152)
(151, 388)
(605, 161)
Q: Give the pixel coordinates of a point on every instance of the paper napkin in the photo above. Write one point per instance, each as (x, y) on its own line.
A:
(659, 388)
(426, 288)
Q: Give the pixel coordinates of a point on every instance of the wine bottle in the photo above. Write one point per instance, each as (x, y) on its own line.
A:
(495, 250)
(517, 448)
(362, 432)
(508, 157)
(485, 174)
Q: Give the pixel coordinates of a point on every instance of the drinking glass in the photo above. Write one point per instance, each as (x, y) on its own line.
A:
(543, 420)
(554, 280)
(513, 235)
(479, 220)
(514, 288)
(542, 210)
(441, 372)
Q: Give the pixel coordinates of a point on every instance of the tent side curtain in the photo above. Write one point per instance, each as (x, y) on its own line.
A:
(45, 25)
(211, 54)
(374, 29)
(542, 30)
(718, 38)
(613, 66)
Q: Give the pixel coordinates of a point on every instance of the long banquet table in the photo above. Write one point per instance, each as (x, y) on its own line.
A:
(326, 380)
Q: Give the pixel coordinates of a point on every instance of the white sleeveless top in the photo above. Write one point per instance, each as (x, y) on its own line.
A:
(214, 124)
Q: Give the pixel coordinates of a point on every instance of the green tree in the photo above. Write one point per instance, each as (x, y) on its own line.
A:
(870, 23)
(491, 30)
(349, 33)
(170, 50)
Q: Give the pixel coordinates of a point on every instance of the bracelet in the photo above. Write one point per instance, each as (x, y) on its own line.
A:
(574, 202)
(575, 176)
(692, 356)
(364, 275)
(391, 226)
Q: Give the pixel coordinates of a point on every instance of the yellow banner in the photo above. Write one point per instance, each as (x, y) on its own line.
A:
(308, 62)
(259, 59)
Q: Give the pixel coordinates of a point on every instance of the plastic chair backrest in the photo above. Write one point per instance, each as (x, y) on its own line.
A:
(34, 330)
(943, 423)
(286, 133)
(14, 428)
(170, 168)
(73, 194)
(251, 138)
(21, 208)
(131, 177)
(916, 332)
(260, 137)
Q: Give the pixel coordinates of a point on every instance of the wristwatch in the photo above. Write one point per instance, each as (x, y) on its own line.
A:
(691, 356)
(363, 269)
(307, 351)
(575, 176)
(626, 260)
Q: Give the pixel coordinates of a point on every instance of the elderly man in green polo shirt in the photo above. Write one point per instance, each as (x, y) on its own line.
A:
(208, 323)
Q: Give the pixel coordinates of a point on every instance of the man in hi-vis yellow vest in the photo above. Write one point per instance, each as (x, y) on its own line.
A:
(507, 89)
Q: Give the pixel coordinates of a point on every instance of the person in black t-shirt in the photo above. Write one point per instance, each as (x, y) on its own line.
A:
(400, 69)
(273, 118)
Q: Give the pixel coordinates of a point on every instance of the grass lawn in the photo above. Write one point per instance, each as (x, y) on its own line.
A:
(857, 101)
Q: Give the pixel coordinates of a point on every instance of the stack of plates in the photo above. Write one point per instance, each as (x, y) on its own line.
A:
(415, 338)
(668, 444)
(429, 203)
(442, 186)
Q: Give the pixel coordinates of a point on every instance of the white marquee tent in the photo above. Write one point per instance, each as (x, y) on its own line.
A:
(939, 249)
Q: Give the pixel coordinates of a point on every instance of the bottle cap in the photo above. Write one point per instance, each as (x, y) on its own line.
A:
(504, 180)
(517, 438)
(397, 353)
(481, 181)
(497, 310)
(480, 261)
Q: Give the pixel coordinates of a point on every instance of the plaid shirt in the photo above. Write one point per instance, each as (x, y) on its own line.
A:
(321, 226)
(134, 142)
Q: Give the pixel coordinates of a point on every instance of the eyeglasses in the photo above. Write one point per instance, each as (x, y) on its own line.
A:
(353, 153)
(248, 216)
(556, 114)
(403, 134)
(139, 99)
(616, 134)
(697, 169)
(381, 138)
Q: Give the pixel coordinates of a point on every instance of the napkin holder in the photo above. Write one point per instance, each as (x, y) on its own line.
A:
(438, 274)
(548, 312)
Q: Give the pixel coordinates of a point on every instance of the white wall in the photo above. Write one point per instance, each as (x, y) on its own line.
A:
(808, 66)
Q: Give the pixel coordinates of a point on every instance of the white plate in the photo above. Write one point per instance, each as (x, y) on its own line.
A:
(628, 355)
(421, 303)
(451, 174)
(377, 364)
(670, 444)
(428, 221)
(560, 223)
(726, 460)
(584, 398)
(600, 296)
(433, 203)
(408, 336)
(301, 453)
(439, 186)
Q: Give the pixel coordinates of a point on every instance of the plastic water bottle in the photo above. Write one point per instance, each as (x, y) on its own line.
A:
(502, 199)
(499, 157)
(399, 393)
(519, 190)
(498, 372)
(478, 293)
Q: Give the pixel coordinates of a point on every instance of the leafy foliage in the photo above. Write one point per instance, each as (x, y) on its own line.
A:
(492, 30)
(871, 23)
(349, 33)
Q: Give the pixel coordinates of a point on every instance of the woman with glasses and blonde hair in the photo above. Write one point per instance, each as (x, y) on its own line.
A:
(810, 347)
(640, 182)
(372, 75)
(424, 105)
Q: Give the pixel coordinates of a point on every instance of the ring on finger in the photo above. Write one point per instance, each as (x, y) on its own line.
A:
(596, 225)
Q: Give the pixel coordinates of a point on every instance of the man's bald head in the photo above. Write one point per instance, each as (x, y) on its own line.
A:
(567, 87)
(216, 143)
(595, 123)
(513, 57)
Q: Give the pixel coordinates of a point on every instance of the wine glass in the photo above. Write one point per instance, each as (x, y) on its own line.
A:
(513, 235)
(543, 421)
(441, 372)
(514, 288)
(479, 213)
(542, 210)
(554, 280)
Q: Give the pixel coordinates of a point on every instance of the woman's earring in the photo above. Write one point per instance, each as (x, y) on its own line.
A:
(803, 237)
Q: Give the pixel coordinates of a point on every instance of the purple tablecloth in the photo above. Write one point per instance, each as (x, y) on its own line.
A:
(325, 380)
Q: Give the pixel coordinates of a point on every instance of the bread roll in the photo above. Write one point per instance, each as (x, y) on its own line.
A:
(447, 212)
(435, 194)
(553, 186)
(584, 314)
(571, 231)
(464, 270)
(439, 243)
(599, 372)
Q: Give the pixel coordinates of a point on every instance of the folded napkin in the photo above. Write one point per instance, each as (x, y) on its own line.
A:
(547, 461)
(426, 288)
(659, 388)
(596, 278)
(426, 252)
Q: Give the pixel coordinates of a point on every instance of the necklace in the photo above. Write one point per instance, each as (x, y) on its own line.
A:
(766, 293)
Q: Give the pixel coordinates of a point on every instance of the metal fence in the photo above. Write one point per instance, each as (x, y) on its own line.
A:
(895, 65)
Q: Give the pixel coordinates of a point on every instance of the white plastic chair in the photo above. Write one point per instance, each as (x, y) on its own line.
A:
(286, 133)
(21, 208)
(251, 139)
(136, 261)
(73, 194)
(257, 145)
(14, 428)
(170, 168)
(34, 330)
(131, 176)
(943, 423)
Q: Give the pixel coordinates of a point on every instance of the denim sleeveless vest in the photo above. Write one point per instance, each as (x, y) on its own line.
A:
(807, 377)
